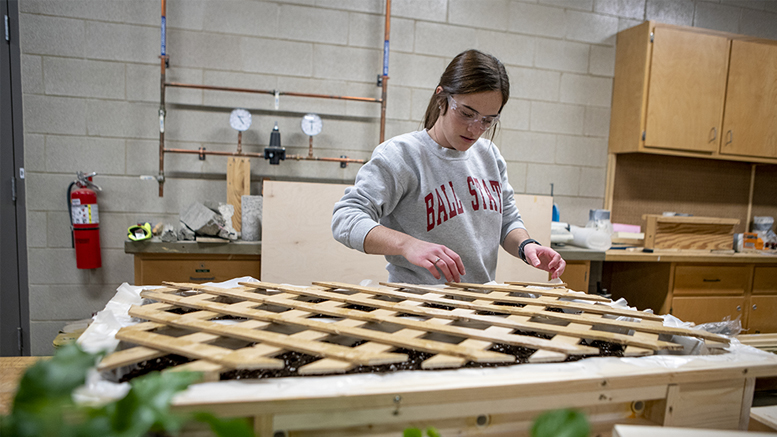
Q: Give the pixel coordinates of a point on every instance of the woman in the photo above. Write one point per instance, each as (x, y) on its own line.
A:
(438, 200)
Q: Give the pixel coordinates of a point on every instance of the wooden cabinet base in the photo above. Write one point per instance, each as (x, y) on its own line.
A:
(153, 268)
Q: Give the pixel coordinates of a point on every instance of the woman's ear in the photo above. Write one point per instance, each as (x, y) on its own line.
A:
(438, 90)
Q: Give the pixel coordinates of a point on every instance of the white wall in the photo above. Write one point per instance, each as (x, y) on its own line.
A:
(91, 94)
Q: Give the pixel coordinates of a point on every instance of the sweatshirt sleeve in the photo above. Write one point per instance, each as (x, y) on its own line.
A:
(375, 193)
(511, 217)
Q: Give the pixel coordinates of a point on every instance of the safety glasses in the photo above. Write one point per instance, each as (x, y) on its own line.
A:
(471, 116)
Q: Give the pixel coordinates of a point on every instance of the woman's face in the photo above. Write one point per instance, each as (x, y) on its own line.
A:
(466, 119)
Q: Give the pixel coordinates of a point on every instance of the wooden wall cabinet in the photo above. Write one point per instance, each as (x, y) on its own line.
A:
(693, 92)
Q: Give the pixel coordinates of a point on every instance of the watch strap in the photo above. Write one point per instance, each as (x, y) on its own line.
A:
(521, 253)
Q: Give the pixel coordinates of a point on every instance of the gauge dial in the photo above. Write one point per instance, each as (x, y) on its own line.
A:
(312, 124)
(240, 119)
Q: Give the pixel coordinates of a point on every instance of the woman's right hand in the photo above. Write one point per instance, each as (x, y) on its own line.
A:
(436, 258)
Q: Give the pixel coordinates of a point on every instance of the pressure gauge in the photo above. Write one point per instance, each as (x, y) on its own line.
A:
(312, 124)
(240, 119)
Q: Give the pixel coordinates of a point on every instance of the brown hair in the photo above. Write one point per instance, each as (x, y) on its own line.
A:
(469, 72)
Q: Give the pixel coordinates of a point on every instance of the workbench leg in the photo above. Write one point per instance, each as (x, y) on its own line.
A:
(263, 426)
(747, 403)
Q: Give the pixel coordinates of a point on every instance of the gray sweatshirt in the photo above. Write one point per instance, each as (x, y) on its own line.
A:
(413, 185)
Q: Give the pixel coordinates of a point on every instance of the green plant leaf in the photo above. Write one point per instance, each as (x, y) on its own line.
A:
(561, 423)
(225, 427)
(412, 432)
(432, 432)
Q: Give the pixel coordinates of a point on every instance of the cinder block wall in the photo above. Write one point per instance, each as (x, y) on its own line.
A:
(90, 73)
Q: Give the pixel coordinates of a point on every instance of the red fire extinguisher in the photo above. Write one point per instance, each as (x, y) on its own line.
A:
(85, 221)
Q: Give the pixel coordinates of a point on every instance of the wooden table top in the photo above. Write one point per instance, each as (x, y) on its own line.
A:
(11, 371)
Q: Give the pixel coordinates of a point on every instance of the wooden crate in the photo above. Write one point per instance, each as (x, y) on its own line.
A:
(693, 233)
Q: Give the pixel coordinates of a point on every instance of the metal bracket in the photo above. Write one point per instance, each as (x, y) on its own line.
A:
(643, 135)
(13, 189)
(202, 154)
(651, 36)
(343, 164)
(380, 80)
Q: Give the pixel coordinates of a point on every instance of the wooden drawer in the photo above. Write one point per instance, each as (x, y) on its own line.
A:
(707, 309)
(765, 280)
(763, 314)
(152, 269)
(694, 280)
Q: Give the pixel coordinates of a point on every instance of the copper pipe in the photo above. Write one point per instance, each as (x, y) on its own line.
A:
(214, 152)
(384, 82)
(239, 141)
(310, 147)
(162, 112)
(316, 158)
(271, 92)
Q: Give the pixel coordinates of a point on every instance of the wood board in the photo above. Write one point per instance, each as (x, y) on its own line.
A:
(296, 233)
(238, 185)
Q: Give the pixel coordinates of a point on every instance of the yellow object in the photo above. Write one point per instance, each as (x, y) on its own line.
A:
(139, 232)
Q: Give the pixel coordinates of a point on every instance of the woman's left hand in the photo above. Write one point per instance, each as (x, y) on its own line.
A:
(545, 258)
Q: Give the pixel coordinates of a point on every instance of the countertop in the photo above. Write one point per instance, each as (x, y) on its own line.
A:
(155, 245)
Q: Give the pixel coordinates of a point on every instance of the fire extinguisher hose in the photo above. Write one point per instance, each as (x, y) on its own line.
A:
(70, 214)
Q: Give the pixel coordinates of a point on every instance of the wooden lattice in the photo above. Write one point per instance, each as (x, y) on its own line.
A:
(348, 326)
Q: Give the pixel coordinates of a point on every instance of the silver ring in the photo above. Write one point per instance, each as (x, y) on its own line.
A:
(436, 261)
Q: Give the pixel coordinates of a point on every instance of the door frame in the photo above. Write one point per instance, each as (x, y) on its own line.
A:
(14, 281)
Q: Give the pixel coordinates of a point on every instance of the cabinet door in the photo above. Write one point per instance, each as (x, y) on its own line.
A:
(686, 90)
(576, 275)
(765, 280)
(707, 309)
(750, 122)
(711, 279)
(763, 315)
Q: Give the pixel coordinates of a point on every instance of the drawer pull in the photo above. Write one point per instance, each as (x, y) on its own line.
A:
(739, 308)
(755, 307)
(192, 278)
(711, 280)
(202, 270)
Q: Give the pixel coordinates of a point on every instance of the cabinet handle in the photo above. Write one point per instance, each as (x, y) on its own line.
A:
(711, 280)
(739, 308)
(730, 137)
(714, 131)
(755, 307)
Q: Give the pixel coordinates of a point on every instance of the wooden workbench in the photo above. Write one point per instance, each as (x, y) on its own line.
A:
(11, 371)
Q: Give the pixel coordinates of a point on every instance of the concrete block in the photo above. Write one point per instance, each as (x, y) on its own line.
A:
(179, 95)
(565, 179)
(486, 14)
(34, 152)
(73, 302)
(136, 12)
(203, 125)
(591, 28)
(516, 176)
(42, 335)
(227, 212)
(123, 119)
(575, 209)
(516, 114)
(586, 90)
(353, 5)
(122, 42)
(347, 63)
(42, 35)
(314, 86)
(537, 20)
(398, 104)
(760, 24)
(420, 101)
(597, 122)
(65, 155)
(83, 78)
(717, 17)
(169, 233)
(532, 147)
(581, 5)
(601, 61)
(439, 39)
(670, 12)
(562, 55)
(117, 266)
(621, 8)
(509, 48)
(251, 219)
(55, 266)
(417, 71)
(315, 25)
(592, 181)
(534, 84)
(557, 118)
(36, 229)
(277, 57)
(239, 80)
(54, 115)
(186, 14)
(578, 150)
(625, 23)
(58, 234)
(249, 18)
(40, 196)
(368, 31)
(207, 50)
(32, 74)
(429, 10)
(202, 220)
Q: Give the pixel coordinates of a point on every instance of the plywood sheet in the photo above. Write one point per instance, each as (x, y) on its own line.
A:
(298, 246)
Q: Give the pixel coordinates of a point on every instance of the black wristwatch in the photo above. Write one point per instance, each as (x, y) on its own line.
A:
(521, 254)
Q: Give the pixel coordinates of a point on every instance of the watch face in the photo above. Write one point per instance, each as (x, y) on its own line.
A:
(240, 119)
(312, 124)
